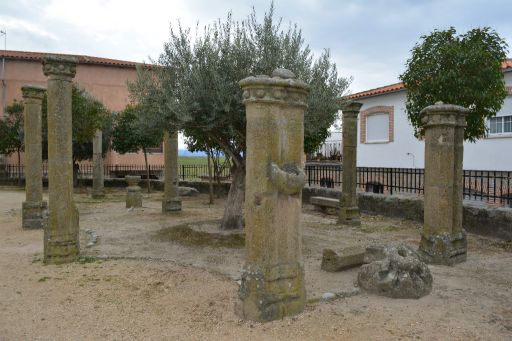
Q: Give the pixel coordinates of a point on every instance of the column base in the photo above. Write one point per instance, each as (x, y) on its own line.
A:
(349, 216)
(171, 205)
(60, 248)
(133, 199)
(98, 193)
(444, 249)
(34, 214)
(271, 294)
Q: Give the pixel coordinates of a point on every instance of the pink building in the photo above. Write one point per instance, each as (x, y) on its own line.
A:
(105, 79)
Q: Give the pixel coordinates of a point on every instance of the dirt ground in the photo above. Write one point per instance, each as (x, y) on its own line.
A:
(136, 283)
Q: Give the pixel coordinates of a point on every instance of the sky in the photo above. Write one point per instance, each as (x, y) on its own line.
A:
(370, 40)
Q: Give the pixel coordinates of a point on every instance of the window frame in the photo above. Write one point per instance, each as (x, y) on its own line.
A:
(368, 117)
(501, 124)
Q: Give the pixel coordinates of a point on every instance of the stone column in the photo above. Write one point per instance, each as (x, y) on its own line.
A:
(61, 242)
(443, 240)
(34, 209)
(171, 201)
(349, 210)
(97, 163)
(273, 276)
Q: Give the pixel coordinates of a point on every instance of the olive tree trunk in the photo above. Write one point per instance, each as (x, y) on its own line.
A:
(233, 213)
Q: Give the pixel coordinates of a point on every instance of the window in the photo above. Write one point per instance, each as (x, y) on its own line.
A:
(500, 125)
(377, 124)
(377, 127)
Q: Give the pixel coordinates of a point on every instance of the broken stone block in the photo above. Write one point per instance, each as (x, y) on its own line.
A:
(400, 274)
(374, 253)
(347, 258)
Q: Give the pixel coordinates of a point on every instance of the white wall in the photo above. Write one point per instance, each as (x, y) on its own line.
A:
(485, 154)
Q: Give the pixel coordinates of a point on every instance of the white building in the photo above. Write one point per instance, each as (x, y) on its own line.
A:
(386, 138)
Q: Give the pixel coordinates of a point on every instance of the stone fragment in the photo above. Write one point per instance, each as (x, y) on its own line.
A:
(401, 274)
(328, 296)
(133, 191)
(188, 191)
(348, 213)
(273, 275)
(443, 240)
(374, 253)
(345, 259)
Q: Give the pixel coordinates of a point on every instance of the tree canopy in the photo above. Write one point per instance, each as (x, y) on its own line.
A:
(11, 129)
(460, 69)
(194, 86)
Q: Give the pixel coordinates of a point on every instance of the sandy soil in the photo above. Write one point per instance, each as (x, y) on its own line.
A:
(135, 285)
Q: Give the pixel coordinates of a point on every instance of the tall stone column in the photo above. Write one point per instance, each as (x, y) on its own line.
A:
(349, 209)
(443, 240)
(34, 209)
(97, 163)
(171, 201)
(273, 276)
(61, 243)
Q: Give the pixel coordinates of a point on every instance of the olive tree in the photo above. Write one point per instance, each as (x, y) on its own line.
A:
(460, 69)
(194, 87)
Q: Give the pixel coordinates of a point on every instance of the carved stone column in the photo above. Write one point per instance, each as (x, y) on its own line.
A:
(443, 240)
(98, 190)
(349, 209)
(61, 242)
(171, 201)
(273, 276)
(34, 209)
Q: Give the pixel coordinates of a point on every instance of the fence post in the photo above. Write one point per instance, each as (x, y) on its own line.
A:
(391, 181)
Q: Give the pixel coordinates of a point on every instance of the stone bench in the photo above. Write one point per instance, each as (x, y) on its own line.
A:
(324, 204)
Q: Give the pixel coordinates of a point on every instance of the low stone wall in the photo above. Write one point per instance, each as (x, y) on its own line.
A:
(492, 222)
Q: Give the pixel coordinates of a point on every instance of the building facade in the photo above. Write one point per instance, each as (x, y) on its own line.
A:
(386, 138)
(105, 79)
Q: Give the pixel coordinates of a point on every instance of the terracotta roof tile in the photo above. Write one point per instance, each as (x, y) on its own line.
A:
(507, 64)
(38, 56)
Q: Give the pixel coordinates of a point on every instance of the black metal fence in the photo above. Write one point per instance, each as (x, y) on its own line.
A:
(185, 172)
(490, 187)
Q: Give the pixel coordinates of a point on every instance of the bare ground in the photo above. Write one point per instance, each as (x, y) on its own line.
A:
(136, 284)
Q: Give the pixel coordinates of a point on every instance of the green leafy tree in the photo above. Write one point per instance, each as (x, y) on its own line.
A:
(194, 88)
(12, 132)
(460, 69)
(133, 132)
(88, 115)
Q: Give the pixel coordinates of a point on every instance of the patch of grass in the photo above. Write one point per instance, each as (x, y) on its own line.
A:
(86, 259)
(185, 235)
(44, 279)
(381, 228)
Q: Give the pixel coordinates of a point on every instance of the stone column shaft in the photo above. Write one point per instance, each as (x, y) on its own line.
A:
(349, 208)
(273, 276)
(443, 239)
(97, 161)
(171, 201)
(34, 208)
(61, 242)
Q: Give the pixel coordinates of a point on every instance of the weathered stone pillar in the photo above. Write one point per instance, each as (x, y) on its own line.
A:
(61, 242)
(171, 201)
(34, 208)
(349, 210)
(133, 191)
(443, 240)
(97, 164)
(273, 276)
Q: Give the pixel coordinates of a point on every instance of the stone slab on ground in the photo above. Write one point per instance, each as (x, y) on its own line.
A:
(345, 259)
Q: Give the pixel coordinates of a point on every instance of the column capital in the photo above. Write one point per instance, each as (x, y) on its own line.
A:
(351, 108)
(281, 88)
(33, 91)
(441, 114)
(63, 67)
